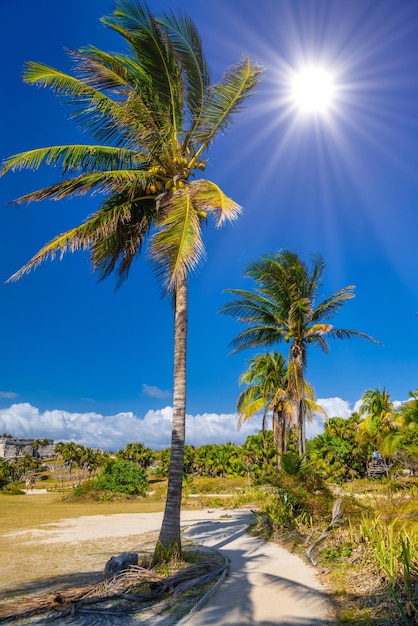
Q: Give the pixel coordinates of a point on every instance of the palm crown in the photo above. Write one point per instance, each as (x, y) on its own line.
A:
(284, 305)
(153, 113)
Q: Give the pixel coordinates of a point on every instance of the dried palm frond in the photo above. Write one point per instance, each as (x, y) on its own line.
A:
(136, 584)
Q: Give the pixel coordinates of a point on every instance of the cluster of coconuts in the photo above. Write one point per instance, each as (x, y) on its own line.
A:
(183, 168)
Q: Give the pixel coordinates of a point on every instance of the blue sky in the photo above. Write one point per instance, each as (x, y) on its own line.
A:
(80, 357)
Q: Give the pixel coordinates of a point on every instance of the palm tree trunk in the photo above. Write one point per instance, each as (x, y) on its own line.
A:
(279, 434)
(169, 537)
(298, 384)
(276, 437)
(302, 429)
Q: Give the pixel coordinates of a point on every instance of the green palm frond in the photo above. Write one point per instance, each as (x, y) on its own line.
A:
(319, 341)
(408, 411)
(104, 182)
(104, 71)
(118, 246)
(342, 333)
(331, 305)
(105, 116)
(313, 407)
(177, 247)
(251, 307)
(299, 315)
(272, 279)
(146, 122)
(72, 158)
(151, 48)
(265, 377)
(119, 217)
(226, 99)
(262, 335)
(249, 403)
(188, 46)
(79, 238)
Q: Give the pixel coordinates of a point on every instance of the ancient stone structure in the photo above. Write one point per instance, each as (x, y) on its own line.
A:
(10, 448)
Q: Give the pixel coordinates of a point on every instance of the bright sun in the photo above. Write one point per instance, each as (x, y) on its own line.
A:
(313, 90)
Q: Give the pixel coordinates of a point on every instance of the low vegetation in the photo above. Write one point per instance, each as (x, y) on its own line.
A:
(360, 533)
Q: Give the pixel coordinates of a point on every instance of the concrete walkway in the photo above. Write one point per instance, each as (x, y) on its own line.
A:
(266, 585)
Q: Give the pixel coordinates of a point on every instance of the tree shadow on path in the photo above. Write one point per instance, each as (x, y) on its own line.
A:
(266, 585)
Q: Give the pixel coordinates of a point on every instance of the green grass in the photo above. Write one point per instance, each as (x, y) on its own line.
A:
(26, 512)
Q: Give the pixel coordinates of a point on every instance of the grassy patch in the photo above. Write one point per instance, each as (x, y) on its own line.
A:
(362, 560)
(25, 561)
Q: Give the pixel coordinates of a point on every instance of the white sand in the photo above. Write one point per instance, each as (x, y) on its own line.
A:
(266, 584)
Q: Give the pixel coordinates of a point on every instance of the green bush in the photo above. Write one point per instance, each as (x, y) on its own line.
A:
(13, 489)
(296, 498)
(123, 477)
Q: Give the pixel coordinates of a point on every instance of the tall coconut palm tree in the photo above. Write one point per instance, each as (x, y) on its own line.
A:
(284, 306)
(152, 113)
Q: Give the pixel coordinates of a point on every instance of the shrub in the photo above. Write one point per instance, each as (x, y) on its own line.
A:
(13, 489)
(123, 477)
(297, 499)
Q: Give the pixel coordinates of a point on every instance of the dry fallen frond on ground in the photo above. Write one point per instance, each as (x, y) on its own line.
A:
(136, 584)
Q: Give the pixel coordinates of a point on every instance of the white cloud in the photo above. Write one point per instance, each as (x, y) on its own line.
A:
(155, 392)
(113, 432)
(9, 395)
(335, 407)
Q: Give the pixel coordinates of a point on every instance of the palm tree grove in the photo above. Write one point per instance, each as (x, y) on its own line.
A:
(343, 500)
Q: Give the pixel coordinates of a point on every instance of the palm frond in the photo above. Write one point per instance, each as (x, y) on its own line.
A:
(121, 218)
(209, 198)
(188, 46)
(104, 182)
(320, 342)
(251, 306)
(103, 116)
(144, 120)
(105, 71)
(118, 246)
(341, 333)
(77, 157)
(151, 48)
(226, 99)
(299, 315)
(248, 406)
(254, 337)
(330, 306)
(78, 238)
(313, 407)
(177, 247)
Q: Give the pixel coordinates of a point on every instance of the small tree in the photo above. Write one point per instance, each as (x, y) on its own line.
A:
(123, 477)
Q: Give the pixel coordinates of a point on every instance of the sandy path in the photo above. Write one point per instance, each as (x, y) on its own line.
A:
(266, 584)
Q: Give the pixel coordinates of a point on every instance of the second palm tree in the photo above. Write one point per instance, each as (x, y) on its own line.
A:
(284, 306)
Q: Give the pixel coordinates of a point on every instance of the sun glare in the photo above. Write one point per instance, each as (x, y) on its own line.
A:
(313, 90)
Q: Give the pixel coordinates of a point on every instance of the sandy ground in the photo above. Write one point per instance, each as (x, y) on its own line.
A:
(266, 585)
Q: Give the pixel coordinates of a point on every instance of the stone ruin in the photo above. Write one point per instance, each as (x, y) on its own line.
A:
(11, 448)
